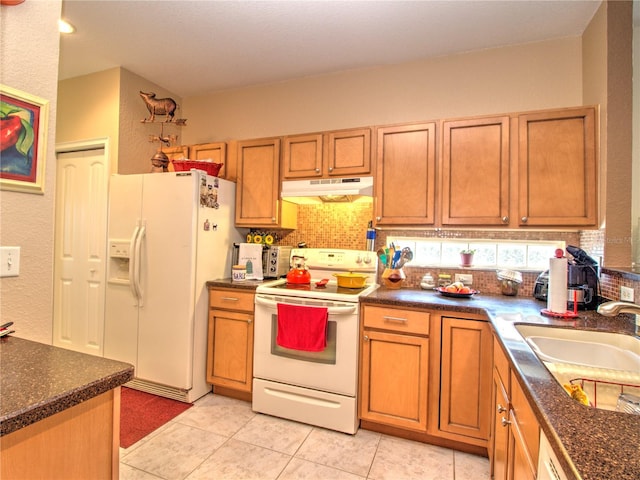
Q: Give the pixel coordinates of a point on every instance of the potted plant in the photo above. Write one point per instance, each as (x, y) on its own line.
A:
(466, 257)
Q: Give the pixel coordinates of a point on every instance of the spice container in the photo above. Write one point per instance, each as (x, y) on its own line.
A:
(510, 281)
(444, 279)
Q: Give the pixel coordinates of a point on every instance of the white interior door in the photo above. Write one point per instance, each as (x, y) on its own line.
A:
(80, 248)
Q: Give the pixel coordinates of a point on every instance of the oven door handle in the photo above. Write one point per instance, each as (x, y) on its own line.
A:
(330, 310)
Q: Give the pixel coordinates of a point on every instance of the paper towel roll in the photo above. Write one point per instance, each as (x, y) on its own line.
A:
(557, 290)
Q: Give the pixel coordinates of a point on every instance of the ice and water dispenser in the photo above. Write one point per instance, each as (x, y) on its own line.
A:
(119, 253)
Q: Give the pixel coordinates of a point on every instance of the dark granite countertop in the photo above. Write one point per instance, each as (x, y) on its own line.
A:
(41, 380)
(228, 283)
(591, 444)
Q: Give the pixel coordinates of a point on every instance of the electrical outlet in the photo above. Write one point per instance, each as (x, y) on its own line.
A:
(9, 261)
(465, 278)
(626, 294)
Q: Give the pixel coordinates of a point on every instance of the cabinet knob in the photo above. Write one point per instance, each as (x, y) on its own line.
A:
(249, 321)
(378, 219)
(524, 219)
(505, 219)
(501, 409)
(318, 170)
(273, 219)
(331, 169)
(366, 338)
(505, 422)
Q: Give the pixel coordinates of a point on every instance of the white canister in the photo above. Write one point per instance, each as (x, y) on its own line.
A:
(239, 273)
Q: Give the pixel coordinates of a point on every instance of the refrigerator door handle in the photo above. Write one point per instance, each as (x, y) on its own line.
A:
(132, 262)
(138, 262)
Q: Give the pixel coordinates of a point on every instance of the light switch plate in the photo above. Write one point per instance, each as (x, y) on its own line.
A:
(465, 278)
(626, 294)
(9, 261)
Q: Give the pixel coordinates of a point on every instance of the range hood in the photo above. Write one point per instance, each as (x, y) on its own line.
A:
(322, 190)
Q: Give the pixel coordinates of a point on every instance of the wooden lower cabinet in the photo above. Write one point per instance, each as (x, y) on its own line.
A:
(394, 379)
(500, 437)
(515, 433)
(230, 342)
(465, 377)
(394, 367)
(460, 379)
(426, 375)
(81, 442)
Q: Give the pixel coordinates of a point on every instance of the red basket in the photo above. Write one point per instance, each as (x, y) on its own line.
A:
(209, 167)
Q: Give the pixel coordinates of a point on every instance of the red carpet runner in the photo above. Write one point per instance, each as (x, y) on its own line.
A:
(141, 413)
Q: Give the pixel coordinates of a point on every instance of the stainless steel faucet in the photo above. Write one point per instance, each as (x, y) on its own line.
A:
(611, 309)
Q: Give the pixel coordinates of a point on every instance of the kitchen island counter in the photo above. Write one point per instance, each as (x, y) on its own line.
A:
(58, 406)
(590, 443)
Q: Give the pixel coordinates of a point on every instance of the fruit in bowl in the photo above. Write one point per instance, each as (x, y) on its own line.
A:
(457, 288)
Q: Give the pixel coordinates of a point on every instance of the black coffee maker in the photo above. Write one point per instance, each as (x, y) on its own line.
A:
(582, 281)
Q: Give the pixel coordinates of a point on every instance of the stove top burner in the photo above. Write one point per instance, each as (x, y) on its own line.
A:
(326, 288)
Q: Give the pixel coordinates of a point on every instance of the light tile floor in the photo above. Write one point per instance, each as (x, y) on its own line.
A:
(222, 438)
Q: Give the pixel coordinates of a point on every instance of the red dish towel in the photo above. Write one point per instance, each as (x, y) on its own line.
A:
(302, 328)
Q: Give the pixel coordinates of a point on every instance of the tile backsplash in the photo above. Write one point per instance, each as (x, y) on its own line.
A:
(339, 225)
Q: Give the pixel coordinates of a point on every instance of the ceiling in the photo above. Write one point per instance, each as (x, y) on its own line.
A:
(197, 47)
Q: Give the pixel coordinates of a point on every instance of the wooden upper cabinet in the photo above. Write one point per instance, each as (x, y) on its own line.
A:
(405, 174)
(217, 152)
(557, 168)
(258, 187)
(349, 152)
(338, 153)
(302, 156)
(181, 152)
(475, 171)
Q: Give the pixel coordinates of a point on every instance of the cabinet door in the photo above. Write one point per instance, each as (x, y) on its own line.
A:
(258, 186)
(230, 350)
(180, 152)
(466, 377)
(349, 152)
(500, 430)
(302, 156)
(405, 174)
(557, 168)
(475, 172)
(393, 384)
(519, 466)
(216, 152)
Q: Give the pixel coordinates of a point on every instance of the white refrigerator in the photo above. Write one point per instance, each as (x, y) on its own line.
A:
(169, 233)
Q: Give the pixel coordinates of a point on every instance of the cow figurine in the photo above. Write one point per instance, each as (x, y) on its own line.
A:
(158, 106)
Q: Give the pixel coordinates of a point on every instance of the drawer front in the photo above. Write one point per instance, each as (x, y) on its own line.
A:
(231, 300)
(397, 320)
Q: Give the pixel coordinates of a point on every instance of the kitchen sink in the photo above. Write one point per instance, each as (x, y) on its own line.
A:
(603, 364)
(612, 351)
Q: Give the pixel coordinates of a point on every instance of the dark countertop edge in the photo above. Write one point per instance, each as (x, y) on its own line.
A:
(570, 427)
(228, 283)
(34, 413)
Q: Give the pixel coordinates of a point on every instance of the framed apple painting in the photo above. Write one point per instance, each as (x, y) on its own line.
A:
(23, 128)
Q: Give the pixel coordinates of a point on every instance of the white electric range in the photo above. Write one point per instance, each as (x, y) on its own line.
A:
(314, 387)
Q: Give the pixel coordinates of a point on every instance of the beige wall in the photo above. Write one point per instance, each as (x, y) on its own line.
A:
(526, 77)
(135, 152)
(88, 108)
(29, 45)
(108, 105)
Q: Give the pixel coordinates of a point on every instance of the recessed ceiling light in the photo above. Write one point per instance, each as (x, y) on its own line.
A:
(65, 27)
